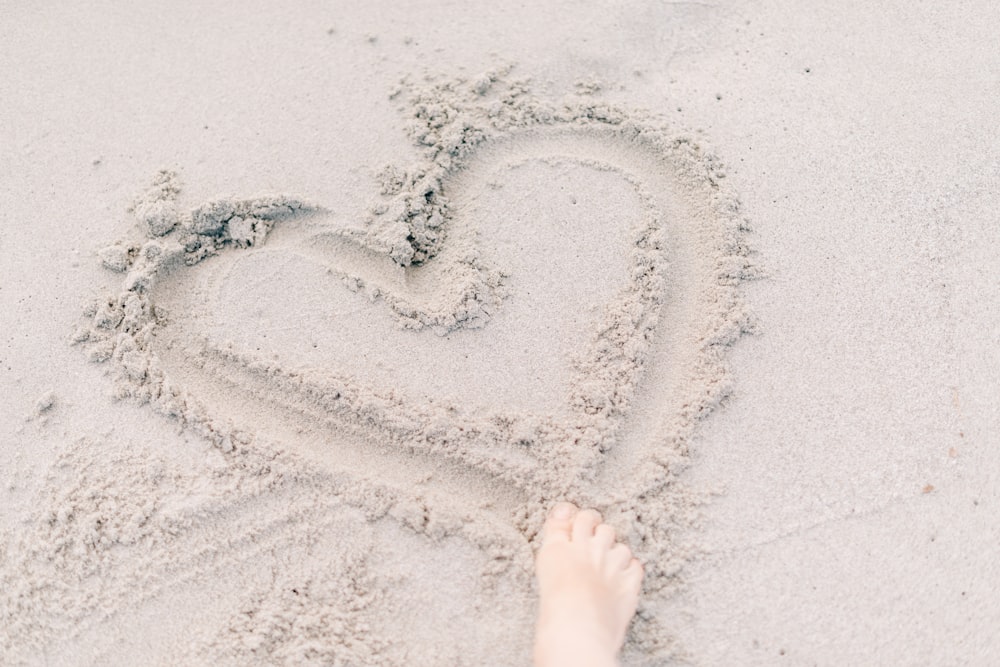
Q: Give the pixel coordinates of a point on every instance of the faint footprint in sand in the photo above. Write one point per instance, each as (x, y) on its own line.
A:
(204, 299)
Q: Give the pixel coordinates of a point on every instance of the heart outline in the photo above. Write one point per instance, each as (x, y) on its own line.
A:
(121, 328)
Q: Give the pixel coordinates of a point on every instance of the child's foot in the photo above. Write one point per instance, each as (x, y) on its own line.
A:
(589, 588)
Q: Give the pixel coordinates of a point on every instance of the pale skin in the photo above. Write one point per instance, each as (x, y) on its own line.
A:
(588, 586)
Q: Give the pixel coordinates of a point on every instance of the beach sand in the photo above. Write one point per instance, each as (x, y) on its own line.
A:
(310, 313)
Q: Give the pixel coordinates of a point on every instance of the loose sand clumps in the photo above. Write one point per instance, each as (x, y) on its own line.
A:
(648, 369)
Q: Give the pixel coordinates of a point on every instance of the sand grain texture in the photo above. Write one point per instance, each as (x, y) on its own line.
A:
(310, 315)
(465, 275)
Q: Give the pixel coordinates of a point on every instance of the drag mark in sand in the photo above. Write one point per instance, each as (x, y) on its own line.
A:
(420, 275)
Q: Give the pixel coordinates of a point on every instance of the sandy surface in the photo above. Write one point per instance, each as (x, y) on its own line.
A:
(309, 313)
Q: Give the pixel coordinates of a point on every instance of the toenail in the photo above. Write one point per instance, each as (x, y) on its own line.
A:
(562, 511)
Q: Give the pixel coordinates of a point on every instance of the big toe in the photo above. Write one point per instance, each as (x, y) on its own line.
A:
(559, 524)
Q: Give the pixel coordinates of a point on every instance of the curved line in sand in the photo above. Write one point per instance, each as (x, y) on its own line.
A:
(670, 377)
(477, 455)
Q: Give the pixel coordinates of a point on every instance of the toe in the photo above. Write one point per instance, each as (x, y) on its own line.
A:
(559, 524)
(584, 524)
(604, 536)
(633, 575)
(619, 557)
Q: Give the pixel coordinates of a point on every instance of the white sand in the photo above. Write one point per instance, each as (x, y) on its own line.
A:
(410, 274)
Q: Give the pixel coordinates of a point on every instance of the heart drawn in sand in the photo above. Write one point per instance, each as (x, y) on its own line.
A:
(426, 271)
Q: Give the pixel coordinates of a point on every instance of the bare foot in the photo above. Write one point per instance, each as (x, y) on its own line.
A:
(588, 590)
